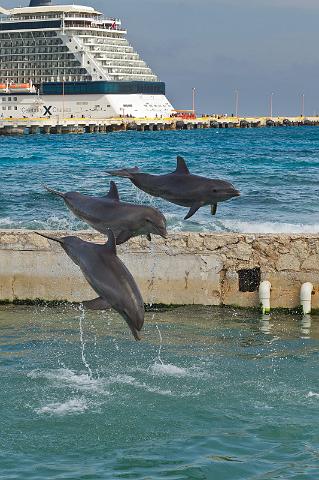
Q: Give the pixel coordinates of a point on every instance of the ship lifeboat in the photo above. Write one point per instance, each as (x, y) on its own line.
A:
(21, 88)
(3, 88)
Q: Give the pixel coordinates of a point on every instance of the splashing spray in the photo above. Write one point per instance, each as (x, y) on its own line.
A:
(159, 359)
(84, 360)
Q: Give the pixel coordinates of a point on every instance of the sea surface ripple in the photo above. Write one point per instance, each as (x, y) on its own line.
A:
(276, 170)
(227, 395)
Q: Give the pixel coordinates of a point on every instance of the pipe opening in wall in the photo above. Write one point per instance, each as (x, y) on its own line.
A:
(249, 279)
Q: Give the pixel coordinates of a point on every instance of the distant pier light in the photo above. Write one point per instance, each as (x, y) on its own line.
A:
(271, 104)
(194, 94)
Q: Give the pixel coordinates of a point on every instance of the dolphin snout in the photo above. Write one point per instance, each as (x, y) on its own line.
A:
(236, 193)
(161, 230)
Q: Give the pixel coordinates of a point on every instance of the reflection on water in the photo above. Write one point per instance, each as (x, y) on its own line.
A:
(305, 326)
(209, 393)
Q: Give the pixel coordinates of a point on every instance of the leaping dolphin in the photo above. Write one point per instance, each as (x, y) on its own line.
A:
(126, 220)
(181, 187)
(109, 278)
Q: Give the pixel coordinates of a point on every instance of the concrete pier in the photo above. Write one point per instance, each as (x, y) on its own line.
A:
(185, 269)
(58, 125)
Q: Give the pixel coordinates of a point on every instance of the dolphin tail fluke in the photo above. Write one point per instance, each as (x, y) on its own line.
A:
(59, 240)
(193, 210)
(124, 172)
(55, 192)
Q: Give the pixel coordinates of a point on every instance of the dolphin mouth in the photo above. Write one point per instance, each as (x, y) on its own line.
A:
(163, 234)
(160, 232)
(55, 192)
(236, 193)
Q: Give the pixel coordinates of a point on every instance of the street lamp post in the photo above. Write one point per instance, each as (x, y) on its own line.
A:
(302, 104)
(271, 104)
(194, 91)
(236, 102)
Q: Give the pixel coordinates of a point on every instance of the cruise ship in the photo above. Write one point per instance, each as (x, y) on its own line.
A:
(70, 61)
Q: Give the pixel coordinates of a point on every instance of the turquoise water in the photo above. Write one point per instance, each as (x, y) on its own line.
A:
(276, 170)
(228, 395)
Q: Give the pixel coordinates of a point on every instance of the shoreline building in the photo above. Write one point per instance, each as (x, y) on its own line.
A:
(70, 61)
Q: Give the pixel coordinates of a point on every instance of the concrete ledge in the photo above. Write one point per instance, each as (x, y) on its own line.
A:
(187, 268)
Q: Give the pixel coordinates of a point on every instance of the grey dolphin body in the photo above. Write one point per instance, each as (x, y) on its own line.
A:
(108, 277)
(181, 187)
(126, 220)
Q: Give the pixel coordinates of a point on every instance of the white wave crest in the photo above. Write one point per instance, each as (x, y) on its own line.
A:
(269, 227)
(223, 225)
(313, 394)
(129, 380)
(64, 377)
(6, 221)
(73, 406)
(169, 369)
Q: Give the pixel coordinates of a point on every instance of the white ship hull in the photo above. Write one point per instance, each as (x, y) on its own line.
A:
(95, 106)
(70, 61)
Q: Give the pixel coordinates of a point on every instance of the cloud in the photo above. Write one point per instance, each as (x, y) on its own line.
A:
(257, 4)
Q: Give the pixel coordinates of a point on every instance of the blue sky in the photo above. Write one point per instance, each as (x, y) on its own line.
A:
(218, 46)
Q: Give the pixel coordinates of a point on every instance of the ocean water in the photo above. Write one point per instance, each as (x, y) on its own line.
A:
(208, 394)
(276, 170)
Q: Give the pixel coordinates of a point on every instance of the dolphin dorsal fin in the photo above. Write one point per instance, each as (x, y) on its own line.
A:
(111, 242)
(181, 166)
(113, 193)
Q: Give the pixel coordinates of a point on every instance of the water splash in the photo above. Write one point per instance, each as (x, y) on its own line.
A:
(73, 406)
(159, 359)
(84, 360)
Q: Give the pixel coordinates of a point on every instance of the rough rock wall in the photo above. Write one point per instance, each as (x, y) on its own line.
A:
(187, 268)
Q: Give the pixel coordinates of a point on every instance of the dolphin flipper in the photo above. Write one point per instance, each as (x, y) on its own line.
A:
(124, 172)
(96, 304)
(213, 209)
(193, 210)
(123, 237)
(111, 242)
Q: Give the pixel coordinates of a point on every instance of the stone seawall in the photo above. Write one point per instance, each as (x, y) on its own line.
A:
(187, 268)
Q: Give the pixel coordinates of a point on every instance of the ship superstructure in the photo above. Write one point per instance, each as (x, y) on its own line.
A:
(70, 60)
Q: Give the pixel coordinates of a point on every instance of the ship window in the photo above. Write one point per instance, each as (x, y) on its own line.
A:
(9, 99)
(15, 99)
(3, 99)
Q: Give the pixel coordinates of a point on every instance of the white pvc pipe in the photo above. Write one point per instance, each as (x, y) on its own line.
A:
(305, 297)
(264, 296)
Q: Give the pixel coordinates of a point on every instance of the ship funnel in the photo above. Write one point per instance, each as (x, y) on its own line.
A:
(40, 3)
